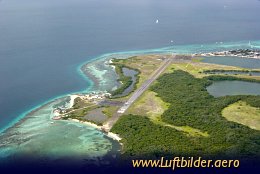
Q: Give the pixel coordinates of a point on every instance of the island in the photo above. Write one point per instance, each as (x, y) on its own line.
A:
(163, 108)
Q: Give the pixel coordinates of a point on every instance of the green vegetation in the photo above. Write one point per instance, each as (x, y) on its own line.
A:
(197, 69)
(148, 105)
(221, 78)
(197, 59)
(152, 106)
(80, 113)
(80, 109)
(253, 101)
(234, 70)
(126, 81)
(243, 113)
(110, 110)
(190, 106)
(145, 65)
(79, 103)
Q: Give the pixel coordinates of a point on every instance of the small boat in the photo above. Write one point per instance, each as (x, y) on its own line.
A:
(157, 21)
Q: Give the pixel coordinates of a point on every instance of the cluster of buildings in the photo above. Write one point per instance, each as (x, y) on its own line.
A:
(57, 112)
(93, 96)
(239, 53)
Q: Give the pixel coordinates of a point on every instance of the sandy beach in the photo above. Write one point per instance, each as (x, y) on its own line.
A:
(109, 134)
(110, 62)
(72, 98)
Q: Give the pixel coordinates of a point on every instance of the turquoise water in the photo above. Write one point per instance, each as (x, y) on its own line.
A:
(39, 137)
(44, 42)
(35, 128)
(103, 76)
(223, 88)
(106, 77)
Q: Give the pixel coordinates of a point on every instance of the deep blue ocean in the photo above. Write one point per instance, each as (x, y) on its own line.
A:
(42, 42)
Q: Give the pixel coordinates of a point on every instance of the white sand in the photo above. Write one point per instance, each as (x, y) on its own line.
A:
(113, 66)
(56, 114)
(72, 98)
(114, 136)
(109, 134)
(110, 61)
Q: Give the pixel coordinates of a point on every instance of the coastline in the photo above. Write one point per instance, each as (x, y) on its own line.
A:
(88, 123)
(242, 53)
(72, 99)
(108, 134)
(91, 77)
(95, 81)
(19, 120)
(246, 57)
(181, 49)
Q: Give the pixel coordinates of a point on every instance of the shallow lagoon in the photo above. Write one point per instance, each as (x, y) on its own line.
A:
(233, 61)
(223, 88)
(129, 73)
(38, 52)
(39, 137)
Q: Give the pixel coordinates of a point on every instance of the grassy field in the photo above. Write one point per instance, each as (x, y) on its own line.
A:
(152, 106)
(80, 109)
(110, 110)
(148, 105)
(243, 113)
(79, 103)
(197, 68)
(146, 64)
(191, 125)
(81, 112)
